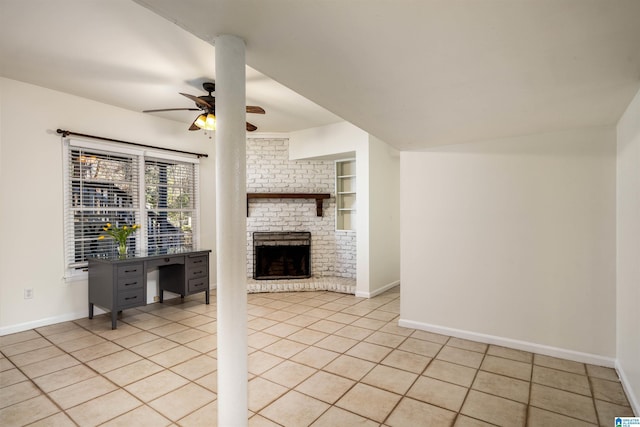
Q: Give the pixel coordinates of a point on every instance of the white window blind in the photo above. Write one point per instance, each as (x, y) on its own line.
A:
(106, 184)
(170, 199)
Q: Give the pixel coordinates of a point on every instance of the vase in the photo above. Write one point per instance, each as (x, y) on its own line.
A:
(122, 250)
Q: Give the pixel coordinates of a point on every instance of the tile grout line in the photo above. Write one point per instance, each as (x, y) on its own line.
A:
(355, 382)
(466, 396)
(320, 370)
(118, 387)
(404, 395)
(42, 392)
(189, 381)
(528, 409)
(381, 324)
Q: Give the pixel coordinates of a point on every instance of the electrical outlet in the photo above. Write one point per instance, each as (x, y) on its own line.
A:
(28, 293)
(156, 298)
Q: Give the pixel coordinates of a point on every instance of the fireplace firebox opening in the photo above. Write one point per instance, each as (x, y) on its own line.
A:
(281, 255)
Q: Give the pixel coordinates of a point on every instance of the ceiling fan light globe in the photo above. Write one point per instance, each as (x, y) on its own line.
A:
(201, 121)
(210, 122)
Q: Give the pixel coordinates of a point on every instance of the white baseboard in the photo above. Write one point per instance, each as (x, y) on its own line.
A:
(546, 350)
(378, 291)
(633, 399)
(20, 327)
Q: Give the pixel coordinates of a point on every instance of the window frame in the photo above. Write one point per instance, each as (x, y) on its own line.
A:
(76, 270)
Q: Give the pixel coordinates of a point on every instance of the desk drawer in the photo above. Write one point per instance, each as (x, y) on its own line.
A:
(197, 271)
(197, 261)
(131, 298)
(130, 283)
(168, 260)
(130, 270)
(197, 285)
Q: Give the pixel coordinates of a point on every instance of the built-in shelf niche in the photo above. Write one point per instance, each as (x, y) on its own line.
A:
(346, 195)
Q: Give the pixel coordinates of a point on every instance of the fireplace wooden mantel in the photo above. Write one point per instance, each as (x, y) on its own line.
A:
(319, 197)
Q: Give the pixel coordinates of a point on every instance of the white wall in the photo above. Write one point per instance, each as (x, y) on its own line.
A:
(628, 250)
(377, 176)
(513, 241)
(31, 194)
(384, 216)
(337, 141)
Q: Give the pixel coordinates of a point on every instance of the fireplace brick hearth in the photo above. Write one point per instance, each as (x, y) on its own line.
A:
(342, 285)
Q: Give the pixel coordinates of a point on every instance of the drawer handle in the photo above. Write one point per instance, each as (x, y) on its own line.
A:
(197, 262)
(128, 298)
(131, 283)
(196, 272)
(131, 271)
(167, 259)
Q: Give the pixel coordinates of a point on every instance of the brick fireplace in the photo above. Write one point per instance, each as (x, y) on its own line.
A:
(269, 169)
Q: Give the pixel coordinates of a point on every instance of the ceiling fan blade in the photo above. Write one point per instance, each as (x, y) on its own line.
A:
(197, 100)
(250, 127)
(254, 109)
(171, 109)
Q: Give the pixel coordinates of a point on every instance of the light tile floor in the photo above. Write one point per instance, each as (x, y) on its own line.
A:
(315, 358)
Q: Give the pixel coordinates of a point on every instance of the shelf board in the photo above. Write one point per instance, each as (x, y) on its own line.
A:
(346, 192)
(319, 197)
(345, 176)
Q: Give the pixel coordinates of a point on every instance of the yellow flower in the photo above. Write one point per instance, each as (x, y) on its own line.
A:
(119, 234)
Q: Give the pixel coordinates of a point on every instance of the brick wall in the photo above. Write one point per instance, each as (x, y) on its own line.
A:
(345, 254)
(269, 170)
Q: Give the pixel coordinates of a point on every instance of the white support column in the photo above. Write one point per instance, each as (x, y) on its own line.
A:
(231, 231)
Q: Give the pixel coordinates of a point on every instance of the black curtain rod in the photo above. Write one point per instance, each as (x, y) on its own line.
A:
(66, 133)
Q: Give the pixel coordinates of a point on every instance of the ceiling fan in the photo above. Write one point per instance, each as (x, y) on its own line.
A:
(207, 106)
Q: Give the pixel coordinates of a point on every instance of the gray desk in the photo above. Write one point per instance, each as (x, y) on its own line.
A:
(117, 284)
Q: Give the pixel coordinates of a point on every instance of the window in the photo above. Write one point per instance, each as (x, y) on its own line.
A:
(108, 184)
(170, 204)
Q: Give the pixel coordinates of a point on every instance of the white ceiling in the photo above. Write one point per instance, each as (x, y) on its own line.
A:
(414, 73)
(120, 53)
